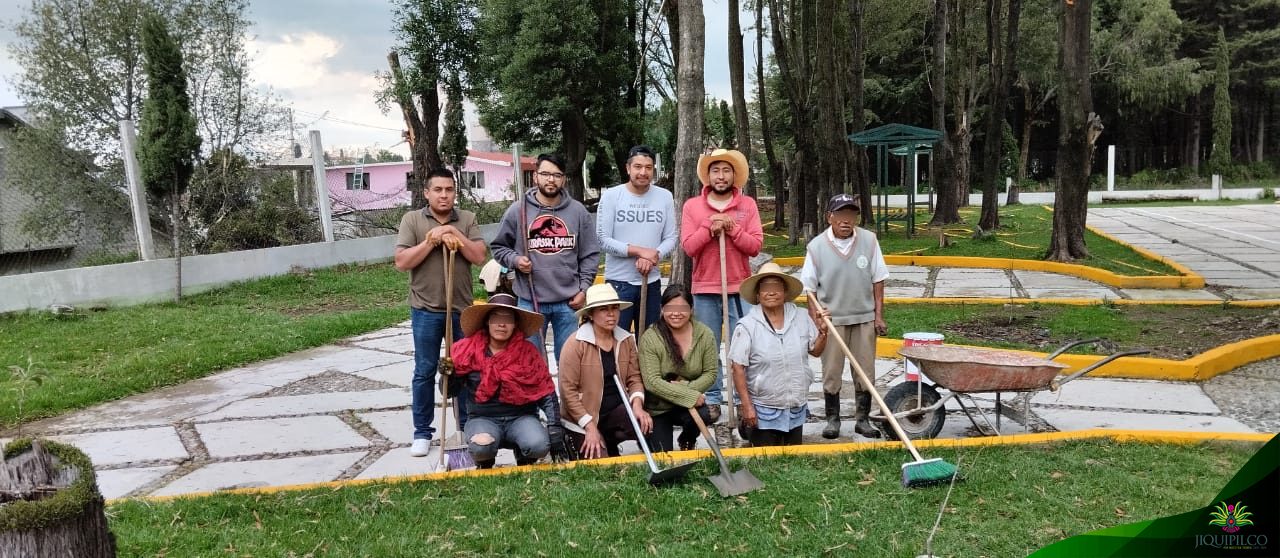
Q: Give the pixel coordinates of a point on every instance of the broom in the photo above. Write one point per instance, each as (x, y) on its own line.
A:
(921, 472)
(453, 451)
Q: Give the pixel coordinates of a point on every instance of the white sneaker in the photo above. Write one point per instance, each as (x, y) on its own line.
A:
(420, 448)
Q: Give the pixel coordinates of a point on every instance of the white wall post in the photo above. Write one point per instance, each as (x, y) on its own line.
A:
(137, 196)
(322, 186)
(1111, 168)
(1215, 187)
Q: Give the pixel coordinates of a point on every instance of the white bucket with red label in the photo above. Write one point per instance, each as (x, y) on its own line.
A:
(915, 339)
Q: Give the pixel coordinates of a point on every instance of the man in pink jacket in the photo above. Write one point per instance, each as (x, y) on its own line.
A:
(722, 209)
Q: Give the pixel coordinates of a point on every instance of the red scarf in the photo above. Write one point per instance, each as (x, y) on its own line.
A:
(518, 369)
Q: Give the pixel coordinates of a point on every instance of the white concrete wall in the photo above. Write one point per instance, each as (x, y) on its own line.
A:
(1031, 198)
(153, 281)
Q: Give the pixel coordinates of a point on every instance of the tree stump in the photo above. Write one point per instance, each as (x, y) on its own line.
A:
(49, 503)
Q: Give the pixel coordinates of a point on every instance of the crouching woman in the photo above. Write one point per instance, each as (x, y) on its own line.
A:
(592, 408)
(770, 352)
(507, 381)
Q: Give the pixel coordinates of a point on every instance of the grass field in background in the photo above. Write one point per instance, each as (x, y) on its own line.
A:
(1013, 500)
(1024, 233)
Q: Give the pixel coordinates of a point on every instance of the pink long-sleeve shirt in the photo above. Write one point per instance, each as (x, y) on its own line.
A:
(743, 243)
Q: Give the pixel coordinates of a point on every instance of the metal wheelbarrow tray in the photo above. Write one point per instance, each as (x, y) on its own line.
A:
(963, 371)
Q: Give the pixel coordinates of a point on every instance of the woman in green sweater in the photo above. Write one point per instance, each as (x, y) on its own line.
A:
(677, 363)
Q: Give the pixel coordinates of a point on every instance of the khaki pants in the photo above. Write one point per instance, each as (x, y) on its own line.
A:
(861, 339)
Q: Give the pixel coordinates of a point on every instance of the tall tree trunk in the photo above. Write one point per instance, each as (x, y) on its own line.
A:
(574, 129)
(777, 176)
(1003, 52)
(737, 82)
(857, 106)
(1078, 128)
(689, 92)
(789, 52)
(1258, 151)
(829, 133)
(175, 227)
(423, 127)
(1196, 132)
(946, 211)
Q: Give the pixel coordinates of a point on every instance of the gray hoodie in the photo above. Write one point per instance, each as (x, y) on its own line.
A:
(561, 240)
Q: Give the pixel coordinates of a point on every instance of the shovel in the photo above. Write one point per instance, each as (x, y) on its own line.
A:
(656, 476)
(729, 483)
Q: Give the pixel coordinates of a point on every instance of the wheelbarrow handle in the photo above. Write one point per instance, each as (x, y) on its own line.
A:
(1072, 345)
(1060, 382)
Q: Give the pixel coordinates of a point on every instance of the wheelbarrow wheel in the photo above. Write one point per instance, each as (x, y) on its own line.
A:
(903, 397)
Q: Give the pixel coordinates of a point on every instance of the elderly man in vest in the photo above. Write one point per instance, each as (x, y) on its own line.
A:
(844, 266)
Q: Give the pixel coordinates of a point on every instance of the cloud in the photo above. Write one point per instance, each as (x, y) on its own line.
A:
(292, 61)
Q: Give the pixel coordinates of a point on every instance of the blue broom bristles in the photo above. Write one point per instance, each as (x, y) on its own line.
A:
(456, 454)
(927, 472)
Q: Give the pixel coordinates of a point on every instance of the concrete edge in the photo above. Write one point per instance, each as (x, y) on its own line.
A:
(1190, 281)
(1144, 436)
(1199, 368)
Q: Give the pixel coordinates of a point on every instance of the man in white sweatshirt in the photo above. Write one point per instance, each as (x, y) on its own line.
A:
(636, 222)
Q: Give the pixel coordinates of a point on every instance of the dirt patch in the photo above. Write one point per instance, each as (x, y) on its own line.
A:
(327, 382)
(1168, 332)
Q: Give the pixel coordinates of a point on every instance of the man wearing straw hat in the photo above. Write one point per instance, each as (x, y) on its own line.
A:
(423, 239)
(721, 212)
(636, 223)
(846, 269)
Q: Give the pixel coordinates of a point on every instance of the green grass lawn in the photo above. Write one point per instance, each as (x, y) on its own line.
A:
(1023, 234)
(1013, 500)
(88, 357)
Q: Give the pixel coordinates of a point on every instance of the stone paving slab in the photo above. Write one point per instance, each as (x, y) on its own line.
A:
(271, 472)
(1130, 394)
(904, 292)
(387, 332)
(975, 292)
(1170, 294)
(400, 344)
(281, 435)
(1095, 293)
(1253, 294)
(118, 483)
(399, 374)
(907, 269)
(311, 404)
(145, 444)
(397, 426)
(1040, 280)
(1071, 419)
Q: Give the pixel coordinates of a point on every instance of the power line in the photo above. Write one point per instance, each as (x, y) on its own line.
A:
(325, 116)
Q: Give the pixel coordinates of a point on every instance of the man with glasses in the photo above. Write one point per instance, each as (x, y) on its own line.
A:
(846, 269)
(637, 226)
(549, 239)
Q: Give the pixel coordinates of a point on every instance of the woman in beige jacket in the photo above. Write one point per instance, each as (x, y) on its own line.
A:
(591, 408)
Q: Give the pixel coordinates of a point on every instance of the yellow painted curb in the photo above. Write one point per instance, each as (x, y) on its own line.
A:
(1199, 368)
(1189, 281)
(1123, 436)
(1262, 303)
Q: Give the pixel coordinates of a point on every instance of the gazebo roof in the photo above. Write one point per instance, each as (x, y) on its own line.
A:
(896, 135)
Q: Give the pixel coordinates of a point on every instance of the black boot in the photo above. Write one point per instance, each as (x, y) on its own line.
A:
(832, 430)
(861, 425)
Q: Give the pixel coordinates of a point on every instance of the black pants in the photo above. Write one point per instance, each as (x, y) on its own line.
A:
(762, 437)
(615, 427)
(664, 428)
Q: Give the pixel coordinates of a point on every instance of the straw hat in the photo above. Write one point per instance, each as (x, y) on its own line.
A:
(474, 316)
(748, 287)
(601, 295)
(741, 171)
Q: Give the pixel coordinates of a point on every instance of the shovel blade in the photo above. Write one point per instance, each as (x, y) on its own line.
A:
(736, 482)
(670, 475)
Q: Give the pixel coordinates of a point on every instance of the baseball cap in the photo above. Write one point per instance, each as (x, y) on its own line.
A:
(841, 201)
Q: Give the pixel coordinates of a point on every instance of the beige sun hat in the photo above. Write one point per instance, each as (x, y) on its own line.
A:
(601, 295)
(741, 171)
(474, 316)
(748, 287)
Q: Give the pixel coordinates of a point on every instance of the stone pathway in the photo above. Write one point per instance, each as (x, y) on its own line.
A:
(341, 412)
(1236, 248)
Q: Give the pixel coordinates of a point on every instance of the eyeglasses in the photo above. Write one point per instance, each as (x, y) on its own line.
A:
(555, 175)
(676, 309)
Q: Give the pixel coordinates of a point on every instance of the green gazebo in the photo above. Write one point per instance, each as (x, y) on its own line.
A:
(903, 140)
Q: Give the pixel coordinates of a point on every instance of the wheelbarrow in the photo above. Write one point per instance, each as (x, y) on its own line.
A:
(963, 371)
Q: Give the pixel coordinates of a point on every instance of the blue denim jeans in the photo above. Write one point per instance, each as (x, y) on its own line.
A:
(428, 332)
(560, 317)
(524, 434)
(631, 293)
(706, 309)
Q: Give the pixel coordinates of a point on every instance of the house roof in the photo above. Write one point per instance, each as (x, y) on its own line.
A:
(492, 157)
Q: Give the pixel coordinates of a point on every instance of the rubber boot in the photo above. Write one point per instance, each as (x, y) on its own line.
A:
(832, 430)
(862, 425)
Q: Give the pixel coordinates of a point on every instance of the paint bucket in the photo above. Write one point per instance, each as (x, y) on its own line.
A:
(916, 339)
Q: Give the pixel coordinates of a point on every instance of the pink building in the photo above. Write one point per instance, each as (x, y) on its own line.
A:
(487, 177)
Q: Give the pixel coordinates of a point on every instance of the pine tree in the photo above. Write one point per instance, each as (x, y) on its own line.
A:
(1220, 158)
(453, 144)
(168, 144)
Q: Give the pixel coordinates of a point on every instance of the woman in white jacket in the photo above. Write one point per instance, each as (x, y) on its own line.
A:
(770, 352)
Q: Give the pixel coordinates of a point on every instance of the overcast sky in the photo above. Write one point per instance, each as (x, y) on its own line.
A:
(320, 58)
